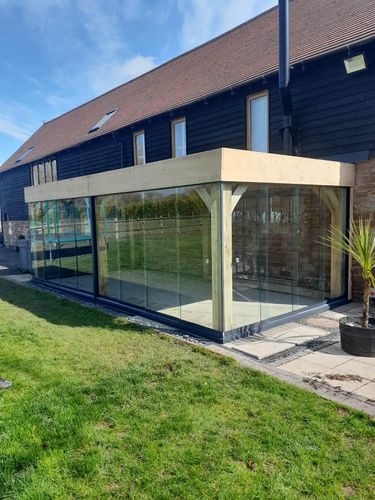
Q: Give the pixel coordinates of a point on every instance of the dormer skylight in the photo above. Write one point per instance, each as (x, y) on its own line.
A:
(102, 120)
(24, 154)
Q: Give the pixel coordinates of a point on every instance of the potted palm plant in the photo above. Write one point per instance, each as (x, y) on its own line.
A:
(358, 333)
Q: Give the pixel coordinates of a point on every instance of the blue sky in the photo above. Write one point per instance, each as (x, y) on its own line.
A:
(57, 54)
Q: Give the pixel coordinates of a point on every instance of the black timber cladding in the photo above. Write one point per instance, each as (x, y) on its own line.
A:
(12, 184)
(333, 115)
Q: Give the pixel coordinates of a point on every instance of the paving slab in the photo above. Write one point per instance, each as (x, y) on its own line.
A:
(357, 367)
(261, 350)
(332, 315)
(367, 391)
(348, 385)
(301, 367)
(323, 322)
(323, 359)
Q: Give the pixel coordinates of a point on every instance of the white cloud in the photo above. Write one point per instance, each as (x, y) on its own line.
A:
(17, 120)
(110, 74)
(12, 129)
(205, 19)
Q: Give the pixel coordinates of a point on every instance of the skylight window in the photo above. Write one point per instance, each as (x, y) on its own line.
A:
(103, 120)
(24, 154)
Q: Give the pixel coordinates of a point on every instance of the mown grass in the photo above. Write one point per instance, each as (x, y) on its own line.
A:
(100, 408)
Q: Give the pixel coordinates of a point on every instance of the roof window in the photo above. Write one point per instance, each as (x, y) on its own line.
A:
(103, 120)
(24, 154)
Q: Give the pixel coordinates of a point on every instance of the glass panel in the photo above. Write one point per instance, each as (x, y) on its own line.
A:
(67, 244)
(140, 153)
(334, 207)
(161, 251)
(179, 138)
(48, 171)
(259, 123)
(194, 255)
(247, 265)
(42, 177)
(279, 275)
(310, 253)
(278, 263)
(51, 247)
(36, 236)
(132, 248)
(82, 226)
(35, 175)
(108, 246)
(54, 171)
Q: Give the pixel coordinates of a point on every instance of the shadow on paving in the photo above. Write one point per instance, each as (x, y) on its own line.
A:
(61, 311)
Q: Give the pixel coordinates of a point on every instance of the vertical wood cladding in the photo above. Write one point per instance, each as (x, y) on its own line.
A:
(333, 115)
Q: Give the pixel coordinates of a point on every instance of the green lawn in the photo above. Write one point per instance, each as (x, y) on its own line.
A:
(100, 408)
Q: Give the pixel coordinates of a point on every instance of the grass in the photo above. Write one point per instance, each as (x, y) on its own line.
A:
(100, 408)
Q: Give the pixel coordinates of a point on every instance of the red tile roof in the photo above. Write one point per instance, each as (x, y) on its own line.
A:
(238, 56)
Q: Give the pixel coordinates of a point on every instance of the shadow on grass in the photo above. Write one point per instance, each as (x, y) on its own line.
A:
(62, 311)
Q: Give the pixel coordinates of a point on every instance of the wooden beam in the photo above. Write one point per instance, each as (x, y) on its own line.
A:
(237, 194)
(219, 165)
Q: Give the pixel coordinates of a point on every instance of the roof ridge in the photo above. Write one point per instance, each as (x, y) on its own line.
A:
(179, 56)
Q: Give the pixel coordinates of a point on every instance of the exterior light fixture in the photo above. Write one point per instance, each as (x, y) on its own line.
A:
(355, 63)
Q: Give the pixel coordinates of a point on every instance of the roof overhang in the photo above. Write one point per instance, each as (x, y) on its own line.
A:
(219, 165)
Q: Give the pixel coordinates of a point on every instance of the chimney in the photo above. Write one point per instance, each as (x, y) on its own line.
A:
(284, 76)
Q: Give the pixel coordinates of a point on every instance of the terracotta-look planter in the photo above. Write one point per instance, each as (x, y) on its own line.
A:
(355, 339)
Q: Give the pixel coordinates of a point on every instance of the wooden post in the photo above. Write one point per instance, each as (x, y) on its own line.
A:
(227, 277)
(221, 203)
(216, 262)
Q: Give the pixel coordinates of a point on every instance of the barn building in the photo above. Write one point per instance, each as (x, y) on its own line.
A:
(169, 196)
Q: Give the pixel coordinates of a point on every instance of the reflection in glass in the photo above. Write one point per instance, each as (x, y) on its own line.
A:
(155, 249)
(61, 242)
(279, 266)
(155, 252)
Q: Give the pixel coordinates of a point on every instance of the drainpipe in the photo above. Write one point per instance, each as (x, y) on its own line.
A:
(284, 77)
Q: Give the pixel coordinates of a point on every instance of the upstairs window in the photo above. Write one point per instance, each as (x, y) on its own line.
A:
(179, 138)
(257, 122)
(44, 172)
(139, 148)
(102, 120)
(24, 154)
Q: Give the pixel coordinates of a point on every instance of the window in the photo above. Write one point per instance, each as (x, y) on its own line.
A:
(35, 176)
(257, 122)
(42, 177)
(44, 172)
(139, 148)
(178, 138)
(102, 120)
(48, 171)
(24, 154)
(54, 171)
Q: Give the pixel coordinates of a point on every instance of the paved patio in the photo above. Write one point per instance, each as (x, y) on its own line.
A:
(333, 367)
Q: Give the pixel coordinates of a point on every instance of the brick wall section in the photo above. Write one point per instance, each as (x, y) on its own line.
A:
(363, 206)
(12, 230)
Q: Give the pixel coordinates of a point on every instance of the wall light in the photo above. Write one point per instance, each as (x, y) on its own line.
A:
(355, 63)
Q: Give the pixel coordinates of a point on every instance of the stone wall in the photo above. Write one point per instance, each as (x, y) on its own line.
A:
(363, 206)
(12, 230)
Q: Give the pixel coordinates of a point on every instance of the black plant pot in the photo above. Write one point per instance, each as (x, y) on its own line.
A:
(355, 339)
